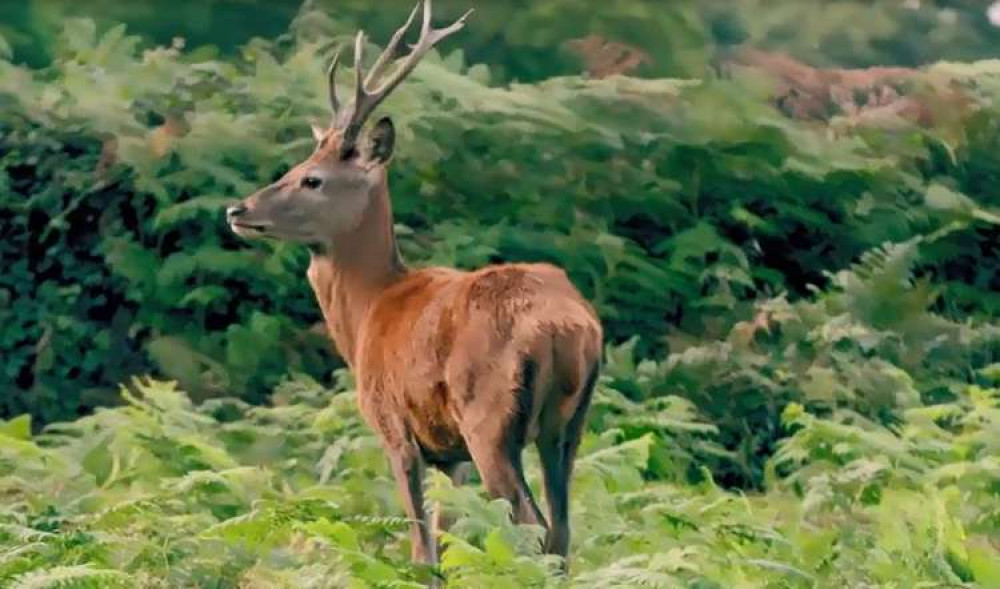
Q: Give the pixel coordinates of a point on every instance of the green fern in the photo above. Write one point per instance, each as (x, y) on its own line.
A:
(73, 577)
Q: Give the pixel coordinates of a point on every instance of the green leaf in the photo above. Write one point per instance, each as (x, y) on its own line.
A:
(498, 549)
(5, 49)
(339, 533)
(18, 428)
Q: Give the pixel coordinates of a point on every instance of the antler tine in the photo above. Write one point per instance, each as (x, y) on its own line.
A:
(359, 74)
(429, 37)
(425, 27)
(453, 27)
(331, 74)
(390, 49)
(365, 100)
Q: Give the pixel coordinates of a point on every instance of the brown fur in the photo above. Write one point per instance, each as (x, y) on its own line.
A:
(453, 365)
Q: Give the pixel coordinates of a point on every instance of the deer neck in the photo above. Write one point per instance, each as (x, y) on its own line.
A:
(350, 272)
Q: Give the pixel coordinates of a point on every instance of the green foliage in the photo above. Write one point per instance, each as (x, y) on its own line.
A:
(673, 204)
(162, 493)
(854, 33)
(870, 345)
(531, 40)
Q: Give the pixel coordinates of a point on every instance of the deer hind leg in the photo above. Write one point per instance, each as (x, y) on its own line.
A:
(551, 450)
(557, 451)
(503, 476)
(408, 469)
(496, 441)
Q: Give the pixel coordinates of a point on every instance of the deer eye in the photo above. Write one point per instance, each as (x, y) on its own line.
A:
(312, 182)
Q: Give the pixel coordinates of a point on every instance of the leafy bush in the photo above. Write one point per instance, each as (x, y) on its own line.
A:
(674, 204)
(528, 41)
(163, 493)
(869, 346)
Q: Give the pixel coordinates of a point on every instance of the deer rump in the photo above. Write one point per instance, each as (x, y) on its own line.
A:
(446, 358)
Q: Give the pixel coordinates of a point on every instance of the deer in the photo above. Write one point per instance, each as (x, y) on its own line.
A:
(451, 366)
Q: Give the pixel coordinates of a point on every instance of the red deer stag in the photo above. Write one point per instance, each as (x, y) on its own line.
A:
(450, 365)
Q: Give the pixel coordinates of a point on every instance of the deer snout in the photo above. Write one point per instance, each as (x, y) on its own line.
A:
(240, 219)
(235, 211)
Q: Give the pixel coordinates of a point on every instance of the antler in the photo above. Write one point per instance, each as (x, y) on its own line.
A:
(351, 118)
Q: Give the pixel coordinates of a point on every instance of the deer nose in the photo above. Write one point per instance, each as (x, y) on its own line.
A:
(235, 210)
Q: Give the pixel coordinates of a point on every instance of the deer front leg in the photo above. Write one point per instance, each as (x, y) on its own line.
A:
(408, 469)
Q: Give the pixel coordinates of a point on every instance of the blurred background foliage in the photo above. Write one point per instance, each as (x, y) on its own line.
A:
(527, 40)
(694, 166)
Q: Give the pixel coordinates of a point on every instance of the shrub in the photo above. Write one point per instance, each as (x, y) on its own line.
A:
(160, 492)
(117, 162)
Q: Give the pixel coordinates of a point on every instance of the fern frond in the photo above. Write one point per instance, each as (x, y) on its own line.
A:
(73, 577)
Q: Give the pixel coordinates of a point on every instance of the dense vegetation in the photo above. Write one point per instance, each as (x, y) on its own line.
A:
(797, 268)
(163, 494)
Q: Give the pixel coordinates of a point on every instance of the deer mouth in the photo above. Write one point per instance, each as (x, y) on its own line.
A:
(248, 229)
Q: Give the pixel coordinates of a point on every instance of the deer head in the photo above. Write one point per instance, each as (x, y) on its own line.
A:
(329, 193)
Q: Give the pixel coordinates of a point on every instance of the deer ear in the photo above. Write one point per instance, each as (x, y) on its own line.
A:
(381, 140)
(318, 132)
